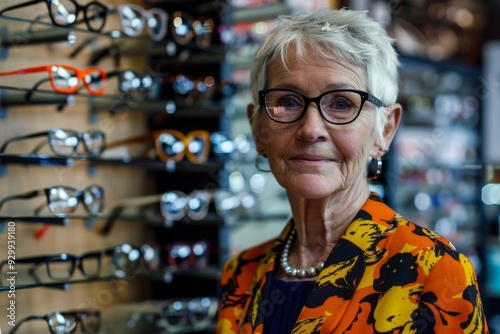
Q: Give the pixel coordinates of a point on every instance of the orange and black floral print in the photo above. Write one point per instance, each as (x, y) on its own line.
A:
(385, 275)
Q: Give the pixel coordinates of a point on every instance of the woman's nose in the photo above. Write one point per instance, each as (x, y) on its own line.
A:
(312, 123)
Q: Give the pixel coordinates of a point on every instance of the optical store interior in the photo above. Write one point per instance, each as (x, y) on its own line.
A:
(128, 172)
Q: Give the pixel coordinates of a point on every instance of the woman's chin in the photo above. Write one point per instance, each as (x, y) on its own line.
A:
(312, 186)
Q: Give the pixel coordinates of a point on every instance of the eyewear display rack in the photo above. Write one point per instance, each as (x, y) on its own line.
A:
(28, 32)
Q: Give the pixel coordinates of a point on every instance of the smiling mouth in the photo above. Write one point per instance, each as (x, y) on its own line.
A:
(310, 159)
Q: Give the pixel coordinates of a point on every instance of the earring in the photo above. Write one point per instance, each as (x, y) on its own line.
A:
(261, 158)
(374, 168)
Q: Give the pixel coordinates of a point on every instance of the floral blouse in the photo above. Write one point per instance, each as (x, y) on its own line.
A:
(385, 275)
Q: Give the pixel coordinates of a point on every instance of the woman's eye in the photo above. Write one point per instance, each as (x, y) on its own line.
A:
(288, 102)
(341, 104)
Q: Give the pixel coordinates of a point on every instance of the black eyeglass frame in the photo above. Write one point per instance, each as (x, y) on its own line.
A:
(78, 315)
(364, 97)
(79, 194)
(48, 133)
(74, 261)
(78, 7)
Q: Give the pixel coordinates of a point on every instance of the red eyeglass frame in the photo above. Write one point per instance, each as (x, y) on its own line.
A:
(80, 75)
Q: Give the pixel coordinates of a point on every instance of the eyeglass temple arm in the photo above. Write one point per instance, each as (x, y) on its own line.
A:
(108, 51)
(129, 141)
(27, 70)
(29, 318)
(375, 101)
(34, 21)
(39, 146)
(31, 135)
(119, 208)
(30, 92)
(115, 213)
(83, 45)
(34, 261)
(39, 209)
(20, 5)
(27, 195)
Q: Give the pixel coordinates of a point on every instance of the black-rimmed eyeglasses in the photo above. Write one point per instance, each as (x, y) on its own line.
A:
(64, 200)
(339, 106)
(67, 321)
(123, 259)
(64, 13)
(66, 143)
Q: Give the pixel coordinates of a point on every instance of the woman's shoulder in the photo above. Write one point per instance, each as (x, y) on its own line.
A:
(405, 230)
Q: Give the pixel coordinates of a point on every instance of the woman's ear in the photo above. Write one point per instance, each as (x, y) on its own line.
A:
(393, 119)
(251, 114)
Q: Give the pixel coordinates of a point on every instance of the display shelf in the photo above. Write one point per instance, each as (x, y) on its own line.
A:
(60, 221)
(167, 275)
(36, 159)
(264, 12)
(170, 107)
(21, 100)
(147, 164)
(157, 165)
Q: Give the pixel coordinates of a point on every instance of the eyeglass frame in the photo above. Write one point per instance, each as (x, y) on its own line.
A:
(80, 75)
(200, 40)
(46, 191)
(145, 13)
(78, 9)
(110, 74)
(144, 201)
(184, 138)
(49, 132)
(159, 308)
(77, 314)
(191, 261)
(119, 271)
(364, 97)
(188, 318)
(74, 260)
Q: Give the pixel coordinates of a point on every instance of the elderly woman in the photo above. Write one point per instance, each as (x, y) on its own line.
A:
(325, 86)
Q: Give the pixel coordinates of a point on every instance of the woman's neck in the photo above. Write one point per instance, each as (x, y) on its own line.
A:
(320, 223)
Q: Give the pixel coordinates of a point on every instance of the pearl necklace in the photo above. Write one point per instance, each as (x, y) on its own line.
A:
(297, 272)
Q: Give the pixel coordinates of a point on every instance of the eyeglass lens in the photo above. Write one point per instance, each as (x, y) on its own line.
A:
(201, 311)
(62, 200)
(90, 321)
(175, 313)
(61, 267)
(61, 324)
(336, 107)
(126, 258)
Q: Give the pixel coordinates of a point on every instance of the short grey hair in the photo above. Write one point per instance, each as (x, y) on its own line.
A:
(349, 34)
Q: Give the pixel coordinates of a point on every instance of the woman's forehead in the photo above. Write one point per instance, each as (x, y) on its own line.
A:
(311, 63)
